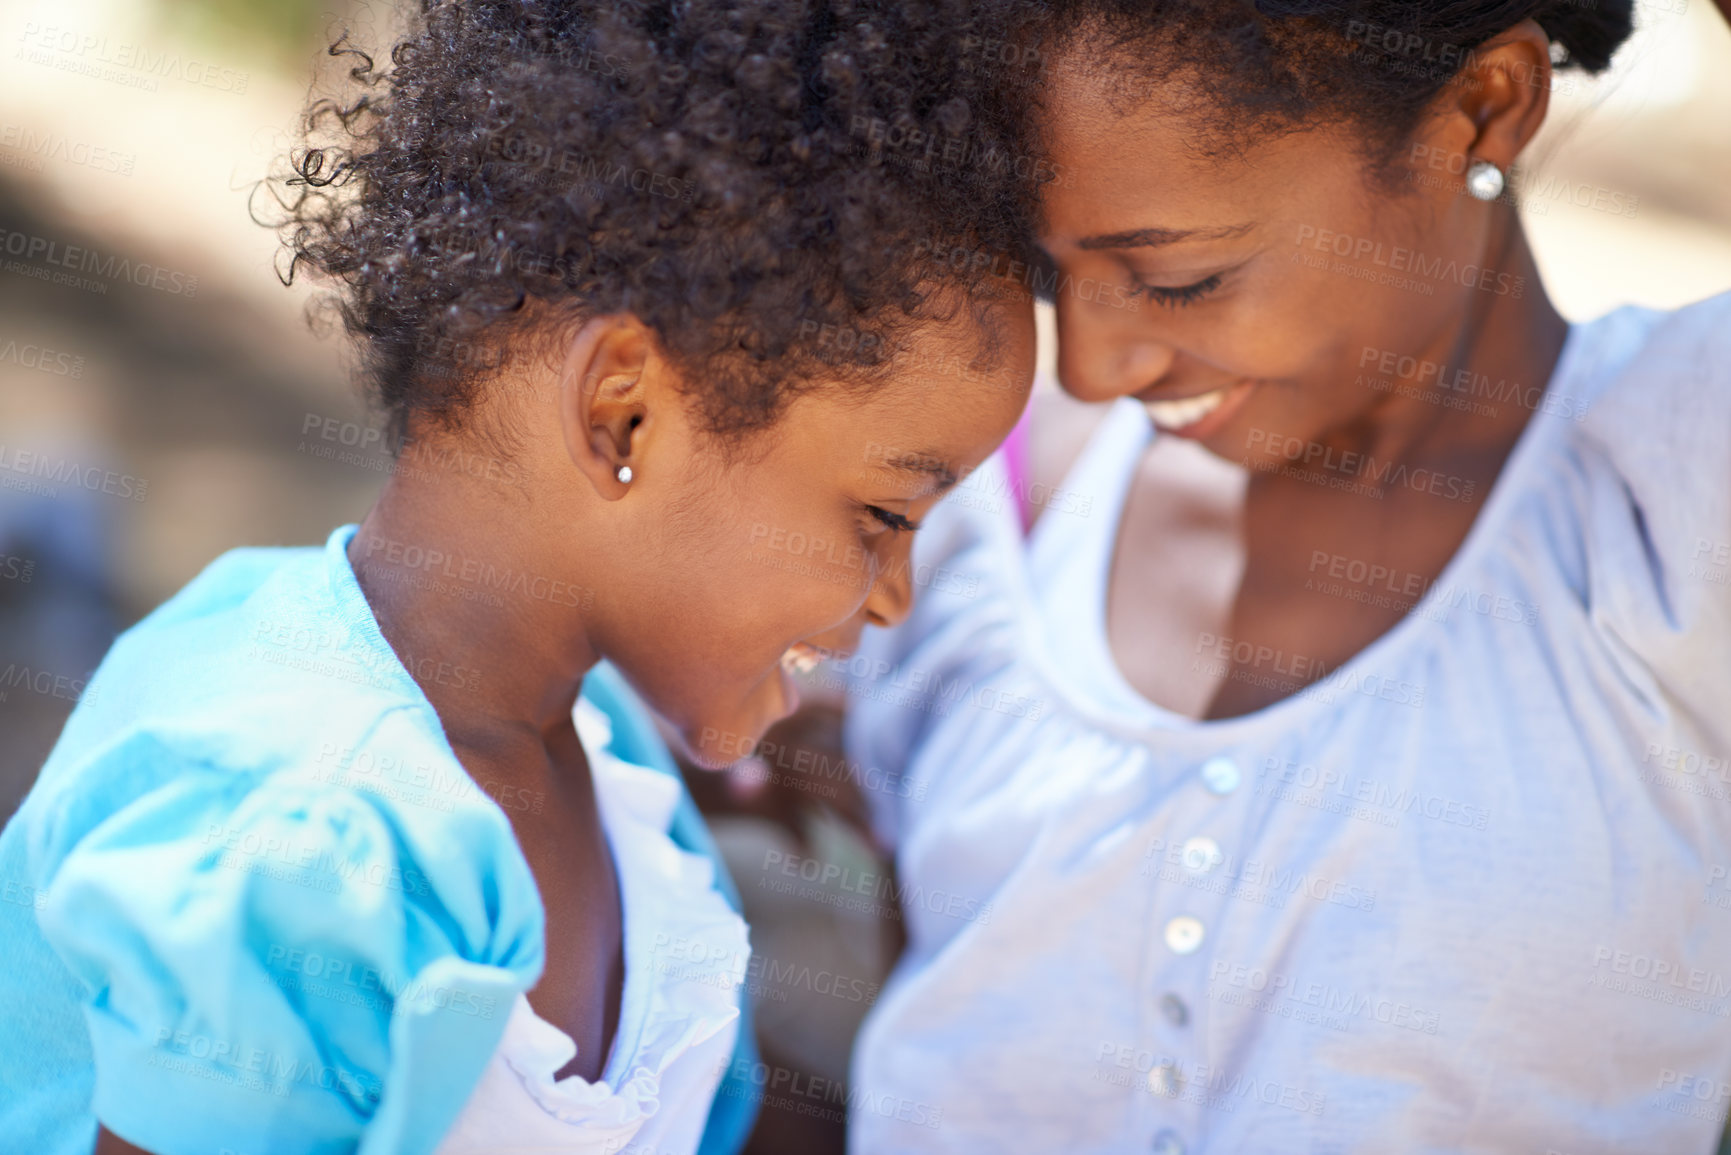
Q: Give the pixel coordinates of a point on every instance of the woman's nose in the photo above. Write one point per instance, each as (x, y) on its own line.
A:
(1102, 358)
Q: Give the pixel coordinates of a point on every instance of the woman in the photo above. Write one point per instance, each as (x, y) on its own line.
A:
(331, 857)
(1365, 786)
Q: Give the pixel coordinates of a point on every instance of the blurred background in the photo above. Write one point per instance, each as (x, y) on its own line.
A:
(163, 397)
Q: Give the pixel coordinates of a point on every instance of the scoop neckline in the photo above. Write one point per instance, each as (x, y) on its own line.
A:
(1315, 696)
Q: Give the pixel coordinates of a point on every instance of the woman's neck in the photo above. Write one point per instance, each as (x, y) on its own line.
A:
(1514, 338)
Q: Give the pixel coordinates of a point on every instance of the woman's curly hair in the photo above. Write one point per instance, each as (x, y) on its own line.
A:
(774, 187)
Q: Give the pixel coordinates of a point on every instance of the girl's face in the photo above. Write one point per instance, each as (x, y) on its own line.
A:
(730, 573)
(1263, 288)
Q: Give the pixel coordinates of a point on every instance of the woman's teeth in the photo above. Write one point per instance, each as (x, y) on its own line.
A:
(801, 658)
(1185, 411)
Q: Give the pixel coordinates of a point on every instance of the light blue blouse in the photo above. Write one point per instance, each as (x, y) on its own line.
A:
(252, 782)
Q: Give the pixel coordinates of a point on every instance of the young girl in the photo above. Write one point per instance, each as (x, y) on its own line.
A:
(332, 857)
(1341, 765)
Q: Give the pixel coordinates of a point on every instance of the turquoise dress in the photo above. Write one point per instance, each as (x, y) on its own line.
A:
(253, 780)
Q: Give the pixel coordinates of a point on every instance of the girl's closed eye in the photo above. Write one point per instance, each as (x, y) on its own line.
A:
(1175, 297)
(891, 521)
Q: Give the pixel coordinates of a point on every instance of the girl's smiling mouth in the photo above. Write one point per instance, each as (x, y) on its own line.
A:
(803, 658)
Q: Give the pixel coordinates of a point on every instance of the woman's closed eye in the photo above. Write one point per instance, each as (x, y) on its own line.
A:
(1175, 297)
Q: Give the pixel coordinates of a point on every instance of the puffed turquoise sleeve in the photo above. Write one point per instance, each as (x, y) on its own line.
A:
(287, 960)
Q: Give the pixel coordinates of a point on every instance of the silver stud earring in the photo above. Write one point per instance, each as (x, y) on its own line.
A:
(623, 473)
(1485, 180)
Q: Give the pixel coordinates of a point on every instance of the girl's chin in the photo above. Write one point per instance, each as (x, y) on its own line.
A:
(719, 743)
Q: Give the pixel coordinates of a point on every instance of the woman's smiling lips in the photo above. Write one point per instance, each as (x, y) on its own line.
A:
(1200, 415)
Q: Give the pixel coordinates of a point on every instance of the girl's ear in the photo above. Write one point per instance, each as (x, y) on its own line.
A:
(604, 409)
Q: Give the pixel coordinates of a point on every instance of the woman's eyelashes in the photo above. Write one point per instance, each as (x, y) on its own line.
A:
(1175, 297)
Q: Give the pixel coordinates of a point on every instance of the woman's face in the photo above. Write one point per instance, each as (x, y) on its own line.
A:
(1263, 286)
(736, 570)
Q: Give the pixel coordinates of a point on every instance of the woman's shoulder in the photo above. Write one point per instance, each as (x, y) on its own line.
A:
(1645, 477)
(1646, 397)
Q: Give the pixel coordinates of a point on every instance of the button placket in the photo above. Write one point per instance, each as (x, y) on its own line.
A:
(1183, 935)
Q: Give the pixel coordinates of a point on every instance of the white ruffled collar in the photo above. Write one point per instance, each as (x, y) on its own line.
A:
(685, 960)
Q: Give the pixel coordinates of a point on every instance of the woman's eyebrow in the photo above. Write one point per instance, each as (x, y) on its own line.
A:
(1146, 238)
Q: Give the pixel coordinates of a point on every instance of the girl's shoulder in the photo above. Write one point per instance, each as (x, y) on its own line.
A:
(268, 873)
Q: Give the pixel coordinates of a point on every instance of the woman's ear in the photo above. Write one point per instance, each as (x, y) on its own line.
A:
(1502, 94)
(604, 409)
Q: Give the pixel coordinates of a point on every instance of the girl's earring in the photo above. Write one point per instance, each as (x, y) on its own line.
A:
(623, 473)
(1485, 180)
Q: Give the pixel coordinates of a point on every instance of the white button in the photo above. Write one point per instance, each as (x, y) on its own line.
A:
(1167, 1143)
(1184, 934)
(1174, 1009)
(1163, 1079)
(1220, 774)
(1202, 855)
